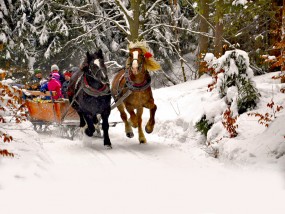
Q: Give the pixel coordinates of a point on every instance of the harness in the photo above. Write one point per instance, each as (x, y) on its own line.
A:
(137, 86)
(104, 90)
(131, 86)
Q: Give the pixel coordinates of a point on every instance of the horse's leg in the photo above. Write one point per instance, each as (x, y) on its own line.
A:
(89, 120)
(128, 128)
(139, 118)
(96, 122)
(152, 109)
(95, 119)
(133, 117)
(77, 109)
(105, 126)
(82, 120)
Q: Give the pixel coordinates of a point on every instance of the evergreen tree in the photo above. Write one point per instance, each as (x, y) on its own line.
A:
(236, 76)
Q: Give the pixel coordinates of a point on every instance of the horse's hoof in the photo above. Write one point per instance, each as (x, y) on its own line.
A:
(142, 142)
(148, 130)
(88, 133)
(130, 134)
(108, 146)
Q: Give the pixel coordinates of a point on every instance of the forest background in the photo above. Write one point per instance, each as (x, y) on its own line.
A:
(38, 33)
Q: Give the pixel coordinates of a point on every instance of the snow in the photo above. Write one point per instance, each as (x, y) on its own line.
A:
(241, 2)
(3, 8)
(175, 172)
(8, 56)
(209, 57)
(39, 17)
(272, 57)
(64, 29)
(44, 35)
(3, 37)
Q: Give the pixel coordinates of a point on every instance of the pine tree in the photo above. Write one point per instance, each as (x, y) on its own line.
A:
(237, 73)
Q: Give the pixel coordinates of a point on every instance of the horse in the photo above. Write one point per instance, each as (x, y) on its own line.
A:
(89, 94)
(133, 84)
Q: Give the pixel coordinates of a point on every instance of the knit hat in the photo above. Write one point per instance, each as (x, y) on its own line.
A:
(37, 71)
(67, 74)
(55, 76)
(54, 67)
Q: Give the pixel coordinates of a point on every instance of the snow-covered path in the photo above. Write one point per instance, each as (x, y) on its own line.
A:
(133, 178)
(172, 173)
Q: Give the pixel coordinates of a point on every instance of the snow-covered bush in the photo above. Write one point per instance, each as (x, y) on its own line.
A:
(248, 96)
(233, 80)
(233, 85)
(203, 125)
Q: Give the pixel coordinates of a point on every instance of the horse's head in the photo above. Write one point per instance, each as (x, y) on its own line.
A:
(136, 60)
(94, 66)
(140, 59)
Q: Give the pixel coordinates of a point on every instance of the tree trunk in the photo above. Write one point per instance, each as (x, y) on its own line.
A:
(218, 44)
(134, 21)
(174, 22)
(203, 40)
(283, 40)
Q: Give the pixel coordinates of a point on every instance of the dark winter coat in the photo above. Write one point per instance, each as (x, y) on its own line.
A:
(64, 89)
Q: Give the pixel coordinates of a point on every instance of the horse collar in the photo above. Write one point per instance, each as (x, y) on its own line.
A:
(137, 86)
(104, 90)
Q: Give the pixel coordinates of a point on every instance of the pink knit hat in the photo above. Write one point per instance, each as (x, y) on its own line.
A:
(55, 76)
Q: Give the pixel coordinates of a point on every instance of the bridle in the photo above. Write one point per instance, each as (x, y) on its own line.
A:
(102, 91)
(94, 75)
(136, 58)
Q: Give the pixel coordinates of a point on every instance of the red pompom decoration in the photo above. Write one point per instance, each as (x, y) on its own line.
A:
(147, 55)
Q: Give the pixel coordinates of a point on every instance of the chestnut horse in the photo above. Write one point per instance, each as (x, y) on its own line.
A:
(135, 80)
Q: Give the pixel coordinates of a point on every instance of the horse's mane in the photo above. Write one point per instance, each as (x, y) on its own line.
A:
(84, 64)
(150, 63)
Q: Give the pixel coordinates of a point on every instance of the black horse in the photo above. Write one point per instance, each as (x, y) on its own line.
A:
(89, 93)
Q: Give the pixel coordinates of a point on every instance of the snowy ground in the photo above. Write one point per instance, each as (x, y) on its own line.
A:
(173, 173)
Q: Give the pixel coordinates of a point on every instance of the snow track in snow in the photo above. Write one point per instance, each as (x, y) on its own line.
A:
(134, 178)
(170, 174)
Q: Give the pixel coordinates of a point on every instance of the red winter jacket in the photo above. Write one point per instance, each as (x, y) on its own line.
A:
(55, 85)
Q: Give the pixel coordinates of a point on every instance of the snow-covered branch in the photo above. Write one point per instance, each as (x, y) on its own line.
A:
(174, 27)
(152, 7)
(82, 35)
(127, 13)
(111, 19)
